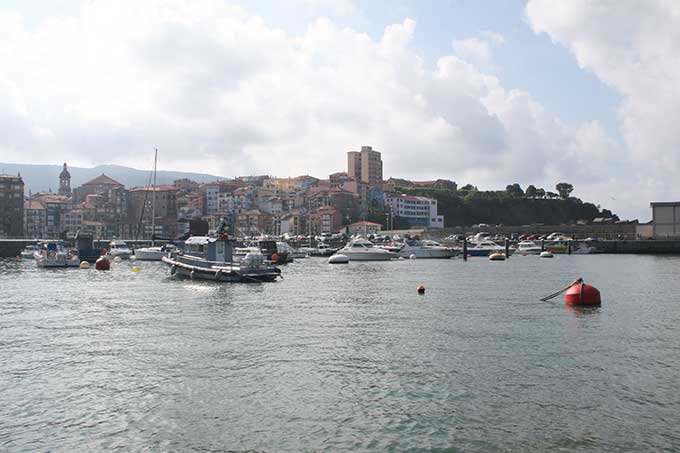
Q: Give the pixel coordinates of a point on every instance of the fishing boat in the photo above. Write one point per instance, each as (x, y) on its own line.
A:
(54, 255)
(211, 258)
(364, 250)
(425, 249)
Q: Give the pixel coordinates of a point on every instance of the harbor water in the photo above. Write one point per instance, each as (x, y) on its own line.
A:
(343, 358)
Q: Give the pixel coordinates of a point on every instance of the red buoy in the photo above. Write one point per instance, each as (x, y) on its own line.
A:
(102, 264)
(275, 257)
(582, 294)
(421, 289)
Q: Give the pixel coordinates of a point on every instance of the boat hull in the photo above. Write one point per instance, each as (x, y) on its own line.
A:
(149, 254)
(369, 256)
(219, 272)
(428, 253)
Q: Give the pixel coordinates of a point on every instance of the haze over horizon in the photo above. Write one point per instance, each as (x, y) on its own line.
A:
(531, 92)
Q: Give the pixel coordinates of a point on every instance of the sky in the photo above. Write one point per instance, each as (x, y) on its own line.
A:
(482, 92)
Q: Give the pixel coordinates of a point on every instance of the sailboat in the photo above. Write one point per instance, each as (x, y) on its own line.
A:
(152, 253)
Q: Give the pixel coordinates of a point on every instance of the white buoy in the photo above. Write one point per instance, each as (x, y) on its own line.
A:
(546, 254)
(338, 259)
(412, 256)
(117, 259)
(133, 257)
(84, 265)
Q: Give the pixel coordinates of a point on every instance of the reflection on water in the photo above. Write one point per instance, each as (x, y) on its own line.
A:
(343, 358)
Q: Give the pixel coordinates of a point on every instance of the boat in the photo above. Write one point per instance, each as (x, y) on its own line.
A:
(54, 254)
(119, 249)
(303, 252)
(211, 258)
(323, 249)
(584, 249)
(528, 248)
(29, 251)
(279, 252)
(485, 248)
(153, 253)
(546, 254)
(497, 256)
(338, 259)
(425, 249)
(364, 250)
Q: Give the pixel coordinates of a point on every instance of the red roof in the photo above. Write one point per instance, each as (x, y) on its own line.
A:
(364, 223)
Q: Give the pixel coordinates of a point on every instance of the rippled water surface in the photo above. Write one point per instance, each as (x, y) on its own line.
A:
(343, 358)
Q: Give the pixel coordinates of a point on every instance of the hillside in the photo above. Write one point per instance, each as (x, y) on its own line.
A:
(469, 207)
(44, 177)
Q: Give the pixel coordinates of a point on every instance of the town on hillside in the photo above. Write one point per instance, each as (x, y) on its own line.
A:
(345, 202)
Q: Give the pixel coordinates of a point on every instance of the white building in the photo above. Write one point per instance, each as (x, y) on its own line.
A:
(417, 211)
(212, 203)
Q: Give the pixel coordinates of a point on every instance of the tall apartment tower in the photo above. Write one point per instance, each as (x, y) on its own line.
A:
(365, 166)
(65, 182)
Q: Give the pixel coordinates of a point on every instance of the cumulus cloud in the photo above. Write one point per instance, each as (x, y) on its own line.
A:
(218, 90)
(634, 48)
(474, 48)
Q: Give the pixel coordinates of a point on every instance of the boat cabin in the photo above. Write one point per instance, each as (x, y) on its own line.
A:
(210, 248)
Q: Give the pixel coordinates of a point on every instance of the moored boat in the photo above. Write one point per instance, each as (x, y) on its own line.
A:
(425, 249)
(364, 250)
(55, 255)
(29, 251)
(119, 249)
(528, 248)
(485, 248)
(211, 258)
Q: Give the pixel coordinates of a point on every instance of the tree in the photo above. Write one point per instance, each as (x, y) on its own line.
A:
(467, 188)
(531, 191)
(540, 193)
(514, 190)
(564, 189)
(551, 195)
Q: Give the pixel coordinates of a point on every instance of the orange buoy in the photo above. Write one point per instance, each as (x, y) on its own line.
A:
(420, 289)
(582, 294)
(102, 264)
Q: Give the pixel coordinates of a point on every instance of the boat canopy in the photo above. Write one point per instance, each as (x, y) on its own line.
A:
(199, 240)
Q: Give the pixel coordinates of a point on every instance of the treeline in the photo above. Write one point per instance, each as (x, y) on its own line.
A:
(513, 206)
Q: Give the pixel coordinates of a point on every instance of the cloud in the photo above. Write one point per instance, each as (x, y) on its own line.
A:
(337, 7)
(493, 37)
(472, 48)
(634, 48)
(216, 89)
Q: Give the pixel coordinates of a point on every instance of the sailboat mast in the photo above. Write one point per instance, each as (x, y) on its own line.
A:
(153, 200)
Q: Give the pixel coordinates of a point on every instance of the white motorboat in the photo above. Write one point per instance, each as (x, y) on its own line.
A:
(29, 251)
(363, 250)
(54, 254)
(152, 253)
(485, 248)
(528, 248)
(425, 249)
(119, 249)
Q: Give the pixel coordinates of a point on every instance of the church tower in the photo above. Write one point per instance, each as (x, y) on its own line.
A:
(65, 182)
